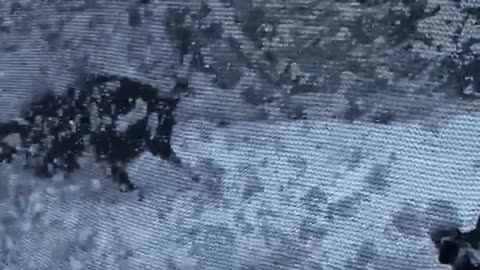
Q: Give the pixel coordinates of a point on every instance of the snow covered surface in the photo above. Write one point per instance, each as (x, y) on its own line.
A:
(331, 192)
(284, 195)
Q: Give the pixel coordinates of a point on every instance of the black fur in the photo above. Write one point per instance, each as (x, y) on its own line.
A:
(448, 252)
(59, 128)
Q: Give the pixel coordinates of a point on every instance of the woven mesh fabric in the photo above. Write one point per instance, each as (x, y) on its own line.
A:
(326, 134)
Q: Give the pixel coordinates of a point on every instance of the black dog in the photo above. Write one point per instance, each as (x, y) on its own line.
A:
(55, 130)
(457, 249)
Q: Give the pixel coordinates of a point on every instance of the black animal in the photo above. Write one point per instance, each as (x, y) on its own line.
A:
(56, 130)
(458, 249)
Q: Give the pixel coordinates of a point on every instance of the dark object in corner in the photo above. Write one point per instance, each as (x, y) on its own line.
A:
(457, 249)
(59, 128)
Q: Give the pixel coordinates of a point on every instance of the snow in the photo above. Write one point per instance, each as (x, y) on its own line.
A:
(175, 219)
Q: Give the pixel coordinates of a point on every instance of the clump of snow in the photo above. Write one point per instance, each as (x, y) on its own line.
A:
(73, 188)
(13, 140)
(58, 178)
(95, 184)
(85, 238)
(187, 263)
(124, 264)
(51, 190)
(76, 264)
(25, 226)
